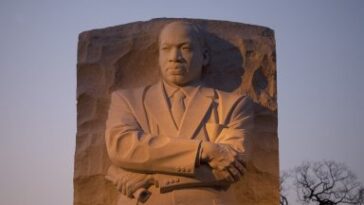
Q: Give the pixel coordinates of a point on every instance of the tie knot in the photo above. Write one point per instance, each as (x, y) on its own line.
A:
(179, 94)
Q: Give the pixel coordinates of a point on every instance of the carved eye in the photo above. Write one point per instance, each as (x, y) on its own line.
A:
(186, 48)
(165, 48)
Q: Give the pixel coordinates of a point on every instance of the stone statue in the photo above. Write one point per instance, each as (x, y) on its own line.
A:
(177, 111)
(178, 141)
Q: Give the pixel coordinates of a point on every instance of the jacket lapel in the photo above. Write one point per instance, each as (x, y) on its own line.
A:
(196, 111)
(156, 105)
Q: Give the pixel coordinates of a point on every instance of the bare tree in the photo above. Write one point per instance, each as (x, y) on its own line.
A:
(283, 185)
(327, 183)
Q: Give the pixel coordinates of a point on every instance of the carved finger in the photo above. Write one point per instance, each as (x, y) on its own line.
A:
(143, 184)
(119, 185)
(223, 176)
(240, 167)
(129, 189)
(228, 176)
(215, 165)
(122, 185)
(123, 189)
(234, 173)
(242, 160)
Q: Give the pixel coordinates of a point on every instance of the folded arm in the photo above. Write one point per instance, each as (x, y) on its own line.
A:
(131, 148)
(227, 155)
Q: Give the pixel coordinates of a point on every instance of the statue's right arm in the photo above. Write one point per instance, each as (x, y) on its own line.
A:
(131, 148)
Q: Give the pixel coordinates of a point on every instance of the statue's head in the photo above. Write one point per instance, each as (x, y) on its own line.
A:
(182, 53)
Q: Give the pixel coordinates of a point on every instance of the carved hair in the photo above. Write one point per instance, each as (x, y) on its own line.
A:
(197, 31)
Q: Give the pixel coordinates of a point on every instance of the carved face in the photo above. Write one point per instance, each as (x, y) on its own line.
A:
(181, 57)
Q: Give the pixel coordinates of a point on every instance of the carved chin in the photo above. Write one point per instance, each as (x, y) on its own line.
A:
(176, 79)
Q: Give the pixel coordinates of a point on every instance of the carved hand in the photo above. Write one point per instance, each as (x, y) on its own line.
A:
(227, 164)
(133, 183)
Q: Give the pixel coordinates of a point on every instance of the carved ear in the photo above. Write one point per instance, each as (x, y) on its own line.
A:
(206, 57)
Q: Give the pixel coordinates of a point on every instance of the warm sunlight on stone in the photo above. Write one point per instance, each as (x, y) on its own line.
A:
(177, 111)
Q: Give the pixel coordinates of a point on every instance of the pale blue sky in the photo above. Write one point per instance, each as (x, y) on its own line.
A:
(320, 54)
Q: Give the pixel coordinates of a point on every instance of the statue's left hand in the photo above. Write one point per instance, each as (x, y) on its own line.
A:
(132, 182)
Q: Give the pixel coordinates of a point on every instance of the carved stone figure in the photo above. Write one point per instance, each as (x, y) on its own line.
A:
(177, 111)
(178, 141)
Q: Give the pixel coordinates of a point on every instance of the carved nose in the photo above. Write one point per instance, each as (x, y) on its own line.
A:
(175, 56)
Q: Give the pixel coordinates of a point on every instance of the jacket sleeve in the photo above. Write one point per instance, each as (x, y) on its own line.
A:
(236, 126)
(130, 147)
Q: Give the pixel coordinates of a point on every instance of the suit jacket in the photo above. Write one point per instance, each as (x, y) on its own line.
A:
(141, 137)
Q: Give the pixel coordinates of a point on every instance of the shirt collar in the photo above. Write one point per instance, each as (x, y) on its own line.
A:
(188, 90)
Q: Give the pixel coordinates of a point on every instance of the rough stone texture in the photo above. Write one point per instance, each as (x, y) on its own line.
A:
(243, 60)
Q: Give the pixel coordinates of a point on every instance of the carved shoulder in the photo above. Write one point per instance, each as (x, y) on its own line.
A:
(131, 96)
(233, 102)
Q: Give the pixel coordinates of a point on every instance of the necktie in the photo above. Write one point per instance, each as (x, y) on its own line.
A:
(178, 107)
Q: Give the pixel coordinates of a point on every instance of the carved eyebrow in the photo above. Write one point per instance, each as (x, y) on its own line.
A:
(164, 45)
(185, 43)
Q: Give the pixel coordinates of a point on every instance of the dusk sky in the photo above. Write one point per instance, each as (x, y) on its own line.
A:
(320, 63)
